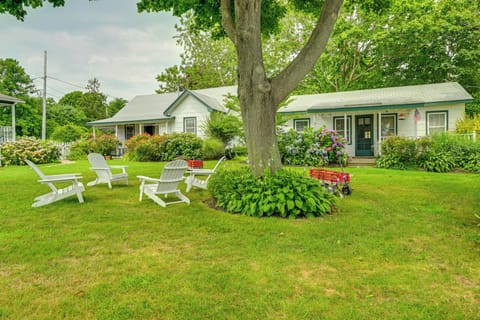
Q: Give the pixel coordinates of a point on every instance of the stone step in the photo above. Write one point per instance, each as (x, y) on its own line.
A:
(362, 162)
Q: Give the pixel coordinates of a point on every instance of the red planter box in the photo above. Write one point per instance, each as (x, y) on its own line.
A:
(195, 164)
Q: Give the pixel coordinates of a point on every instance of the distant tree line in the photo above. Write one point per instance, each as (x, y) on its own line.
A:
(73, 109)
(408, 43)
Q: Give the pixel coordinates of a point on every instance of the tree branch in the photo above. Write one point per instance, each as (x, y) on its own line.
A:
(289, 78)
(227, 20)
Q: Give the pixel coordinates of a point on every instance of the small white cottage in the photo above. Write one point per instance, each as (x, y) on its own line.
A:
(155, 114)
(366, 117)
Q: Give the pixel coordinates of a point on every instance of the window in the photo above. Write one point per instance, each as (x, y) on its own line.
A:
(190, 125)
(149, 129)
(300, 124)
(436, 122)
(388, 125)
(129, 132)
(339, 126)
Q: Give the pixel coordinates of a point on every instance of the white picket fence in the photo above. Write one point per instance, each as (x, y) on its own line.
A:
(5, 134)
(64, 149)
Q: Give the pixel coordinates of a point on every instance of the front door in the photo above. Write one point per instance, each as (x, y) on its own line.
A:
(364, 136)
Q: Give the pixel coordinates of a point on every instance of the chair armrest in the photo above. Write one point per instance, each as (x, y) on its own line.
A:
(120, 167)
(201, 171)
(143, 178)
(102, 168)
(58, 178)
(62, 176)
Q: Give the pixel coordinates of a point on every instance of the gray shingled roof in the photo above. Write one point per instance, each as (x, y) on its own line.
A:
(371, 99)
(7, 100)
(153, 107)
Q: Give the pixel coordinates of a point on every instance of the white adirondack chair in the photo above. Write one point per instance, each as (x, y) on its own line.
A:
(193, 181)
(74, 187)
(170, 178)
(104, 171)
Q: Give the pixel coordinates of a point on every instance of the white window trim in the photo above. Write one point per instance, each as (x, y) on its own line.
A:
(300, 120)
(194, 124)
(349, 126)
(429, 113)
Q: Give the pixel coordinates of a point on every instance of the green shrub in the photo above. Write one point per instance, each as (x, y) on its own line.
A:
(398, 153)
(31, 148)
(439, 153)
(212, 148)
(145, 147)
(81, 148)
(285, 194)
(390, 161)
(166, 147)
(106, 144)
(185, 145)
(236, 151)
(440, 161)
(68, 133)
(224, 127)
(472, 163)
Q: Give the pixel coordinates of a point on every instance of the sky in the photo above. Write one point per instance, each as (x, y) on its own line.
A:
(104, 39)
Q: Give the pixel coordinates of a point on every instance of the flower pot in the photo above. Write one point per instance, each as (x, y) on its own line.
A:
(195, 164)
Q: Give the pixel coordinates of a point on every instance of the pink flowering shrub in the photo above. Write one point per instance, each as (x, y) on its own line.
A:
(31, 148)
(313, 148)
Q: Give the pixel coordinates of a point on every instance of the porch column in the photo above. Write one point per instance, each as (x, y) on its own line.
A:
(14, 124)
(345, 122)
(379, 133)
(140, 128)
(94, 133)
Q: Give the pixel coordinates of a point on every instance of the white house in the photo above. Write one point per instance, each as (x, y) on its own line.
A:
(184, 111)
(364, 117)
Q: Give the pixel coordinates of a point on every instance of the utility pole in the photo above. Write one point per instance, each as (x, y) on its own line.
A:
(44, 110)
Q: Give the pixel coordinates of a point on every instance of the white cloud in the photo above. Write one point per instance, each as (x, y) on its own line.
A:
(107, 39)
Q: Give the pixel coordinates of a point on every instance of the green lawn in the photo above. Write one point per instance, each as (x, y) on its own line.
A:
(403, 246)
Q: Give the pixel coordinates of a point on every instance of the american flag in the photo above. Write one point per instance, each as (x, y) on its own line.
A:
(416, 116)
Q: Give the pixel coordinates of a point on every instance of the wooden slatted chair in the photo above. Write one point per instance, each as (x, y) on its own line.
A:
(170, 178)
(104, 171)
(194, 181)
(75, 187)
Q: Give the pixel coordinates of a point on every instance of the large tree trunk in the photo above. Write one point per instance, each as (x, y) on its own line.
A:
(259, 96)
(254, 91)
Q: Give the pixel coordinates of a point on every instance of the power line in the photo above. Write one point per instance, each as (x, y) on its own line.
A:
(77, 86)
(66, 82)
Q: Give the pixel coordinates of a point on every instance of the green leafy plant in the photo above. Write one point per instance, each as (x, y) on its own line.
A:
(438, 162)
(186, 145)
(68, 133)
(286, 193)
(165, 147)
(439, 153)
(224, 127)
(144, 147)
(106, 144)
(212, 148)
(81, 148)
(31, 148)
